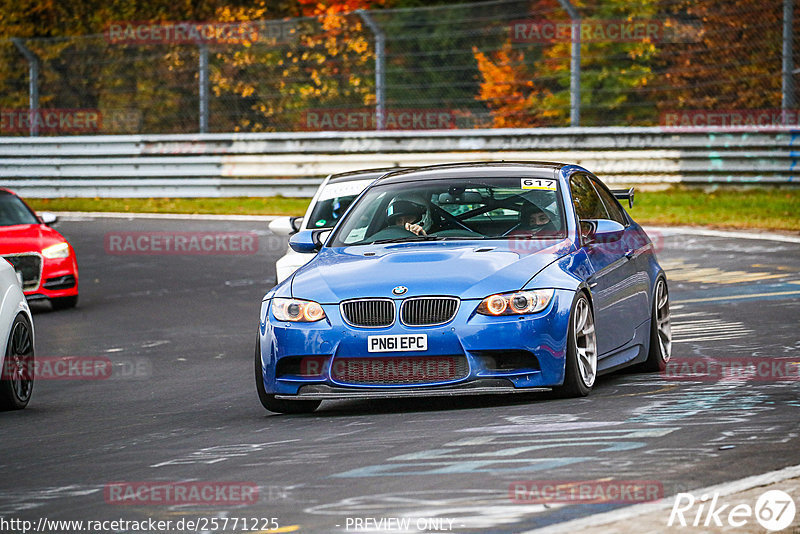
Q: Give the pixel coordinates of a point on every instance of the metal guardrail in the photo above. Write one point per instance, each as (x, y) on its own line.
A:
(292, 164)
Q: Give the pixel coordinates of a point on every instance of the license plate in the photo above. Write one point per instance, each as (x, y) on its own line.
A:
(397, 343)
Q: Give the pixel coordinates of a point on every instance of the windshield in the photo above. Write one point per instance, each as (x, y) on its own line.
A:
(13, 211)
(333, 202)
(474, 208)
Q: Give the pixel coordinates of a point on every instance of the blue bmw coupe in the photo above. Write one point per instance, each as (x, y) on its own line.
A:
(475, 278)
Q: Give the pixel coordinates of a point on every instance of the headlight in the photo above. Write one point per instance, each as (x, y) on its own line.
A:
(60, 250)
(516, 303)
(297, 311)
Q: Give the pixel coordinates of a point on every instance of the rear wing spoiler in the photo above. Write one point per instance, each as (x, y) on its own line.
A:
(624, 194)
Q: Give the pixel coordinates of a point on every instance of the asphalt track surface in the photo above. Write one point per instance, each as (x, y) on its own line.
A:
(181, 405)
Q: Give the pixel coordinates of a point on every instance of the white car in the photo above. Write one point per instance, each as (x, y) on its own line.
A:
(16, 341)
(331, 200)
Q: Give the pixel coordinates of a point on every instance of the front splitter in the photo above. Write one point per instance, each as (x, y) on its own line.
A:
(325, 392)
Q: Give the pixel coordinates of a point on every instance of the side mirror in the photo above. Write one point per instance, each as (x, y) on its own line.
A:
(48, 218)
(624, 194)
(308, 241)
(601, 231)
(284, 226)
(296, 223)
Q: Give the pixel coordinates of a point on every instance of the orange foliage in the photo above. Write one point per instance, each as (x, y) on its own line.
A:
(317, 8)
(509, 91)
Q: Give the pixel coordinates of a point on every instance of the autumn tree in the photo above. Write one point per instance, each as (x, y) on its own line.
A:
(509, 91)
(537, 73)
(730, 60)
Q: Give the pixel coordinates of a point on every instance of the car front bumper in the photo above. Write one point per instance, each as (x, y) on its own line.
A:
(46, 277)
(493, 354)
(59, 279)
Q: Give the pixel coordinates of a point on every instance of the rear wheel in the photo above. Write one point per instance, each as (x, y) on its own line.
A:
(580, 369)
(278, 405)
(660, 330)
(16, 381)
(62, 303)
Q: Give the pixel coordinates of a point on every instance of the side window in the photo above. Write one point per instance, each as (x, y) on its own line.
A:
(588, 204)
(615, 211)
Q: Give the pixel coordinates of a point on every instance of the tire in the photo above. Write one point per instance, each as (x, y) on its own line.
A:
(660, 348)
(16, 380)
(580, 368)
(278, 405)
(63, 303)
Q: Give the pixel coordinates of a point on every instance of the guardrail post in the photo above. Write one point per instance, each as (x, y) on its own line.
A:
(33, 90)
(380, 57)
(203, 87)
(575, 65)
(787, 89)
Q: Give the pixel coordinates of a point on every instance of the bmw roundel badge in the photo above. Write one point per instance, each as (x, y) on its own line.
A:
(400, 290)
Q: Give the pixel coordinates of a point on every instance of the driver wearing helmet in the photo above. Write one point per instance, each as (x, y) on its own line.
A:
(532, 220)
(406, 214)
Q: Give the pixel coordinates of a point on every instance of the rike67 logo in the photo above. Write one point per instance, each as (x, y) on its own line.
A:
(774, 510)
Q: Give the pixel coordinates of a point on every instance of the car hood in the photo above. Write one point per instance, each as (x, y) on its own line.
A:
(27, 238)
(469, 270)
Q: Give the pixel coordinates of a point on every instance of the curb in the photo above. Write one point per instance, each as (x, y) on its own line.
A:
(76, 215)
(664, 230)
(737, 234)
(631, 512)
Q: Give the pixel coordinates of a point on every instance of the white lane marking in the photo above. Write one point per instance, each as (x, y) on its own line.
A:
(688, 230)
(739, 297)
(680, 271)
(711, 328)
(151, 344)
(630, 512)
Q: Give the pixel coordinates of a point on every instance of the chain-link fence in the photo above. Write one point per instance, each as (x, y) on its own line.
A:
(509, 63)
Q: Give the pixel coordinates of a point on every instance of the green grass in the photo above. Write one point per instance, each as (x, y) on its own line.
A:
(228, 206)
(760, 208)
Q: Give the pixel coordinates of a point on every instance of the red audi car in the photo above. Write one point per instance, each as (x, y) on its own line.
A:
(44, 260)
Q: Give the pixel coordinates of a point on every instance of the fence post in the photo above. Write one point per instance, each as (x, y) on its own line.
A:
(380, 55)
(787, 89)
(203, 88)
(33, 89)
(575, 65)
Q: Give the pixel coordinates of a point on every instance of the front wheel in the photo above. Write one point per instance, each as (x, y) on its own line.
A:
(278, 405)
(16, 381)
(580, 368)
(660, 330)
